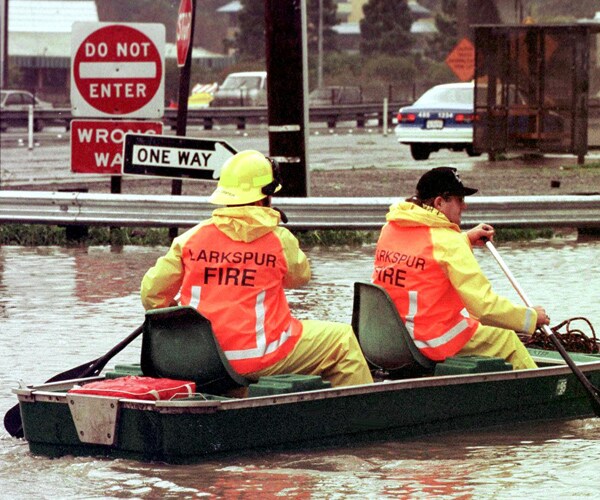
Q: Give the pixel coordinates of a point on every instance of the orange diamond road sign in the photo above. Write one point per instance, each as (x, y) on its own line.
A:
(462, 60)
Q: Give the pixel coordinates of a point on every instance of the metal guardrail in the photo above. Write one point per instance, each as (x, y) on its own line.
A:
(71, 208)
(241, 116)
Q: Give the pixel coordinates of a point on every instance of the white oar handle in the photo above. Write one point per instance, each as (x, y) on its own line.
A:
(593, 392)
(513, 281)
(509, 275)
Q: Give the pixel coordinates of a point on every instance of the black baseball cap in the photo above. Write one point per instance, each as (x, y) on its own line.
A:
(442, 181)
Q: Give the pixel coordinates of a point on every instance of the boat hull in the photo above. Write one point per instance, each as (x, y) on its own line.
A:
(183, 431)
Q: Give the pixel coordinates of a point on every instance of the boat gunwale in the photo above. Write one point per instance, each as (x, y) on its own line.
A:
(39, 393)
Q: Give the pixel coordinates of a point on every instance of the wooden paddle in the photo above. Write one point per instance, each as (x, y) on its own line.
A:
(592, 391)
(12, 419)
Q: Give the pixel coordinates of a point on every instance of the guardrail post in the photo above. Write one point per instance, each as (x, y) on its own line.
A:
(75, 233)
(588, 233)
(385, 117)
(30, 127)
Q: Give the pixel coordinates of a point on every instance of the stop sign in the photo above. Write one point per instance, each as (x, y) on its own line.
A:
(118, 70)
(184, 31)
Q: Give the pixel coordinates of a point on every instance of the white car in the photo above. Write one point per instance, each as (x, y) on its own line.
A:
(442, 118)
(246, 88)
(20, 100)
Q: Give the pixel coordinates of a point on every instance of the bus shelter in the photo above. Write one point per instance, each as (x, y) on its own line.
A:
(532, 86)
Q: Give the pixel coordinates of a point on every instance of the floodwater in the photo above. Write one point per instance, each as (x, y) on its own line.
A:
(61, 307)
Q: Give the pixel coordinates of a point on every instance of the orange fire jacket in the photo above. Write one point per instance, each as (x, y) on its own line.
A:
(428, 268)
(433, 312)
(234, 274)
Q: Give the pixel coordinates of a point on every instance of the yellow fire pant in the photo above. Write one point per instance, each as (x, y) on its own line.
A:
(499, 343)
(328, 349)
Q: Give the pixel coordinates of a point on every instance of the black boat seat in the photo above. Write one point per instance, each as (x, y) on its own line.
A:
(383, 337)
(178, 342)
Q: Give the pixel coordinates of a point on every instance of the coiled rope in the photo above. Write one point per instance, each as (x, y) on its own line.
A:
(573, 339)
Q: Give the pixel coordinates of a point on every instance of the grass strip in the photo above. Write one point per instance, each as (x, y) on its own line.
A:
(49, 235)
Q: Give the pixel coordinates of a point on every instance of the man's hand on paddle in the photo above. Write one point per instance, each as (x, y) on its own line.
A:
(542, 317)
(480, 234)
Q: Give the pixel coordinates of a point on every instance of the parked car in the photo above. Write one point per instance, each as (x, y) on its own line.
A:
(442, 118)
(335, 94)
(246, 88)
(20, 100)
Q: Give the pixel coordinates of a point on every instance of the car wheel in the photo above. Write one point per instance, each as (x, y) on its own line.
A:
(38, 125)
(419, 151)
(471, 152)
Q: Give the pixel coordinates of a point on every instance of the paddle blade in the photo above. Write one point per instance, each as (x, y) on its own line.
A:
(592, 391)
(13, 423)
(89, 369)
(12, 419)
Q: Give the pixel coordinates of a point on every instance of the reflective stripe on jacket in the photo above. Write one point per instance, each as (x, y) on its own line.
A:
(233, 268)
(427, 266)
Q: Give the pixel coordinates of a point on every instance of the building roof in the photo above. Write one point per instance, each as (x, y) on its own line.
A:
(343, 8)
(418, 10)
(230, 8)
(53, 50)
(347, 29)
(41, 50)
(422, 26)
(39, 34)
(49, 16)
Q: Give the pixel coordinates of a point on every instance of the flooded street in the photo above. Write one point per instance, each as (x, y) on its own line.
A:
(60, 307)
(49, 160)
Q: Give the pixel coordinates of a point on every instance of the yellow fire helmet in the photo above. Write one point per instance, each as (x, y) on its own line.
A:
(246, 177)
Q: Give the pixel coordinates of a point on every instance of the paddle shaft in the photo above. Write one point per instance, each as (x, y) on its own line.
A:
(592, 391)
(12, 419)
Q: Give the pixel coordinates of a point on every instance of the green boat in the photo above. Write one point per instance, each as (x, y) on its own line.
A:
(227, 413)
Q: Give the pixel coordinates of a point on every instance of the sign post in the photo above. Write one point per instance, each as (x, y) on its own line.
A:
(175, 157)
(186, 20)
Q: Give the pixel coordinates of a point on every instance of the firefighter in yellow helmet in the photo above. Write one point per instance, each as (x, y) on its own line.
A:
(233, 269)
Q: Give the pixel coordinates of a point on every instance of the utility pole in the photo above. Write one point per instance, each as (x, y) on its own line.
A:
(287, 83)
(320, 46)
(4, 45)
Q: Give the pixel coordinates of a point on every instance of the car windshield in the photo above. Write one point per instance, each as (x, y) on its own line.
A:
(446, 95)
(238, 82)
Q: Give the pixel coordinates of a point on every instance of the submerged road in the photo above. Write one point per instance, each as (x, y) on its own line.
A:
(49, 161)
(379, 163)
